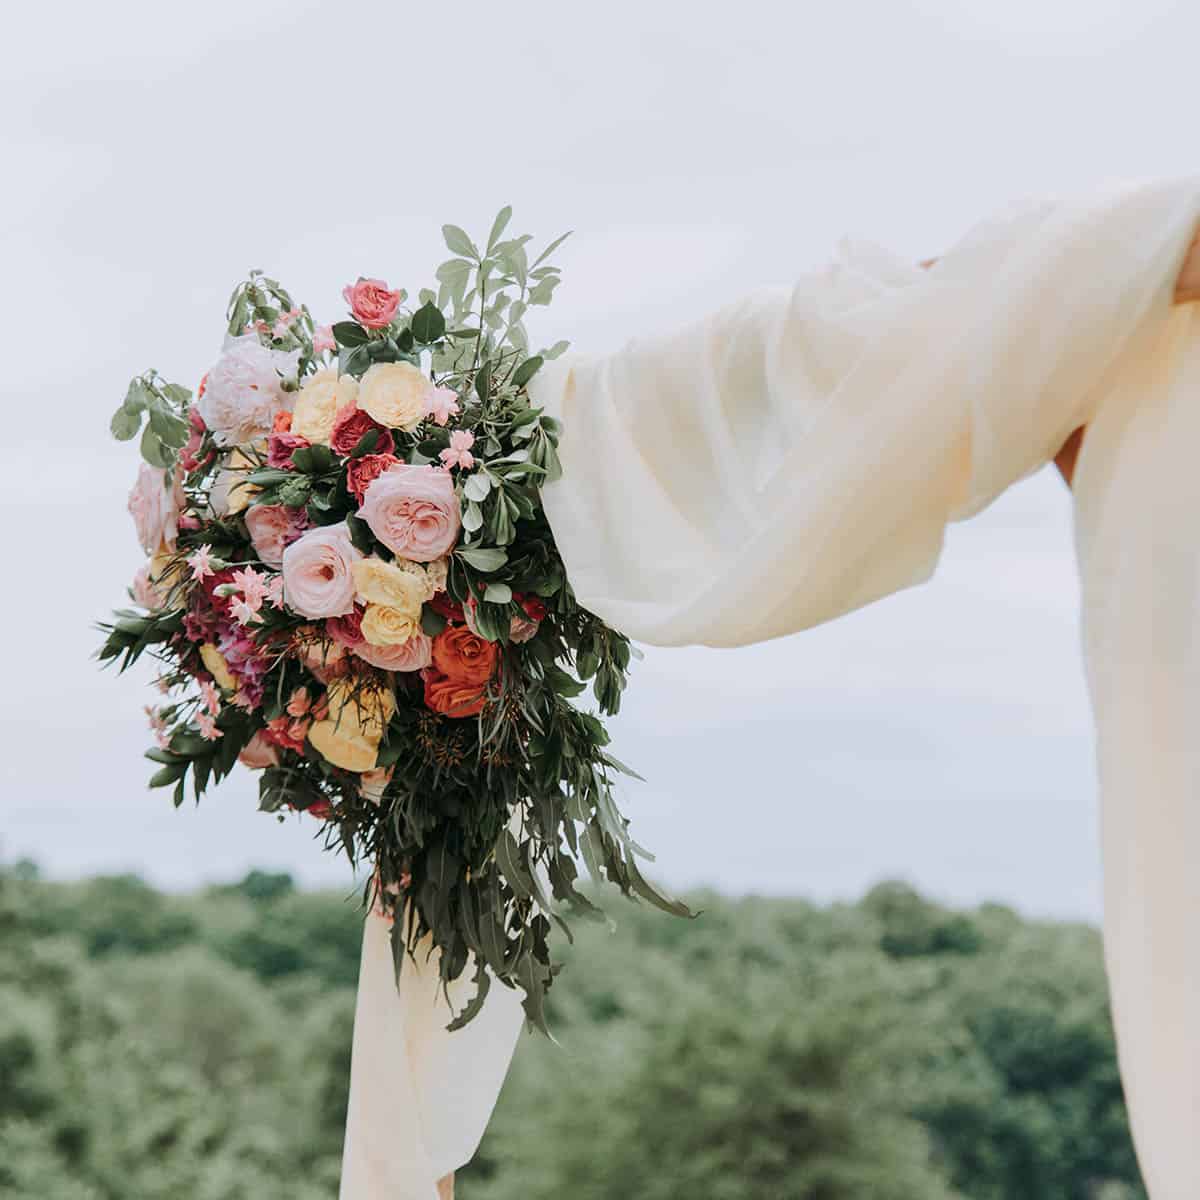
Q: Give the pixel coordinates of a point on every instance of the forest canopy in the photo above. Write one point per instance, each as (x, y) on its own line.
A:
(196, 1047)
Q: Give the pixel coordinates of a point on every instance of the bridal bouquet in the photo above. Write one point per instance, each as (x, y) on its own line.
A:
(352, 589)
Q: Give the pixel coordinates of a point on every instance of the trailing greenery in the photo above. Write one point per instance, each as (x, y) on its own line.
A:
(156, 1046)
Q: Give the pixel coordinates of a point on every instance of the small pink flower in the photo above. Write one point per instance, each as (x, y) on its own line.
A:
(275, 591)
(458, 453)
(208, 729)
(201, 564)
(242, 612)
(441, 403)
(372, 304)
(283, 323)
(323, 340)
(210, 696)
(253, 587)
(299, 703)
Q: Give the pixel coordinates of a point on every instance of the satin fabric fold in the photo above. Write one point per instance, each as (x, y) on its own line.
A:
(420, 1097)
(799, 454)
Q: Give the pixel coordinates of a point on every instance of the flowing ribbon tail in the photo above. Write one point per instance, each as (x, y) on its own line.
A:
(1138, 491)
(420, 1097)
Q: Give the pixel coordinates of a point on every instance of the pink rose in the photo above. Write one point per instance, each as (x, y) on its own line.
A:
(258, 753)
(272, 528)
(413, 511)
(280, 447)
(371, 303)
(154, 507)
(350, 426)
(317, 579)
(144, 592)
(413, 655)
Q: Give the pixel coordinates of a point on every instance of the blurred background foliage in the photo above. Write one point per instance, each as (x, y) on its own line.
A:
(197, 1047)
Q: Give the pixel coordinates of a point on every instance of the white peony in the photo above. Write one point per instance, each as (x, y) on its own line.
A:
(244, 390)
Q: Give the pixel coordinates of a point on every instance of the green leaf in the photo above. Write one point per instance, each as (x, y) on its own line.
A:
(497, 593)
(432, 622)
(550, 249)
(125, 424)
(527, 370)
(483, 381)
(477, 486)
(482, 558)
(153, 451)
(428, 324)
(350, 333)
(473, 518)
(498, 226)
(508, 858)
(457, 242)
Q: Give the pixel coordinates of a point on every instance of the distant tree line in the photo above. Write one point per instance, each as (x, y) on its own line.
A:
(197, 1047)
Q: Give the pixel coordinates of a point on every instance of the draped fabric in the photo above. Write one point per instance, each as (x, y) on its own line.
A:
(420, 1097)
(798, 455)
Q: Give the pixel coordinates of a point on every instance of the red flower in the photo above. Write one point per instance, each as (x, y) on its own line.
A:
(349, 427)
(321, 809)
(534, 606)
(447, 607)
(360, 472)
(283, 421)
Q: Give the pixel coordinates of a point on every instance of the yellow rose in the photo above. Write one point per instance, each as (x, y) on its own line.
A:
(165, 572)
(383, 625)
(318, 403)
(217, 667)
(351, 753)
(394, 394)
(379, 582)
(231, 493)
(349, 736)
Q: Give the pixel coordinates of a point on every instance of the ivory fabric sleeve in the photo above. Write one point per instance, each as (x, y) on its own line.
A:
(800, 453)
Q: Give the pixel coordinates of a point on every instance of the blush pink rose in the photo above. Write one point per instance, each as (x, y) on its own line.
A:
(317, 579)
(272, 528)
(258, 753)
(414, 655)
(413, 511)
(154, 505)
(371, 303)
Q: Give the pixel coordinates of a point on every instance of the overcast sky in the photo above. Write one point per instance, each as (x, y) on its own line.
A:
(153, 155)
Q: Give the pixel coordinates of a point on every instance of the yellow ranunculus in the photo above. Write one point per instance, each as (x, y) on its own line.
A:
(379, 582)
(350, 734)
(394, 394)
(383, 625)
(318, 403)
(218, 668)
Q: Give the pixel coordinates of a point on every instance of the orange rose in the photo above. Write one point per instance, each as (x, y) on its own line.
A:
(463, 656)
(453, 699)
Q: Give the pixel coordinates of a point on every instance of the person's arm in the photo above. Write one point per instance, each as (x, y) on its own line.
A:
(1187, 291)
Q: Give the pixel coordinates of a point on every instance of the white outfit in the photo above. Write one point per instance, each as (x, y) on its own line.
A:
(800, 453)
